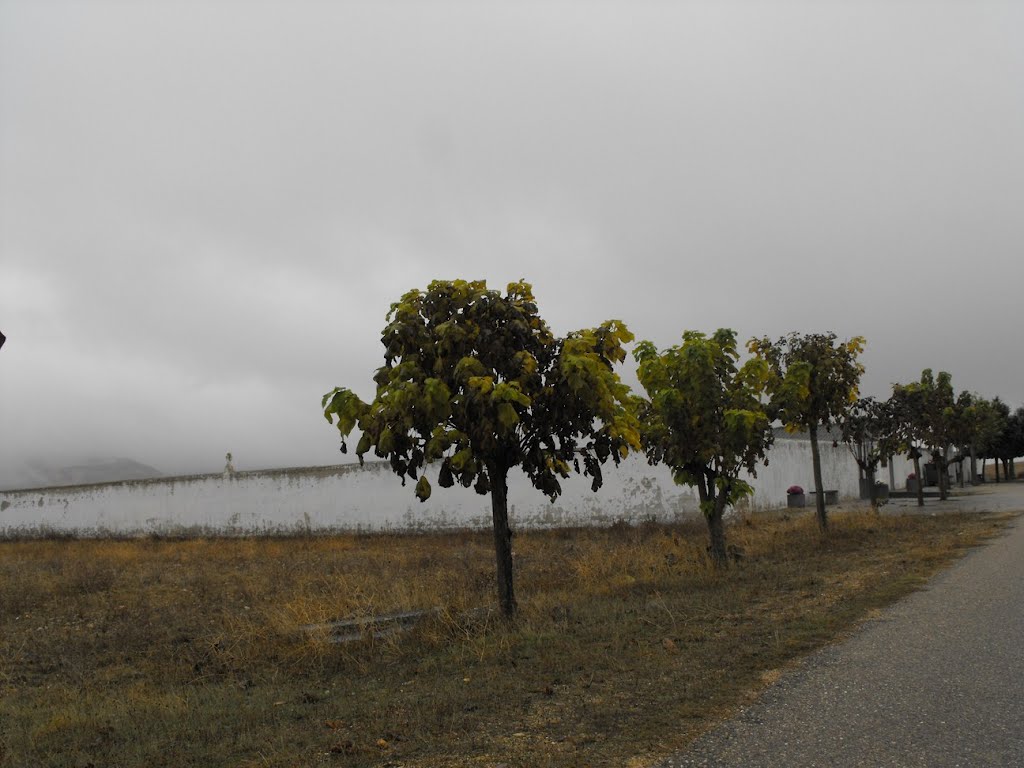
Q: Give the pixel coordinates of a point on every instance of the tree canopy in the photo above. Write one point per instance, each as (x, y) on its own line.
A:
(475, 380)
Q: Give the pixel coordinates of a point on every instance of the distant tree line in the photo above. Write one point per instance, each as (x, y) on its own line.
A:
(475, 381)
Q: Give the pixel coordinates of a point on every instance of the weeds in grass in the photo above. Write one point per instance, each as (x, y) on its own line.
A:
(192, 652)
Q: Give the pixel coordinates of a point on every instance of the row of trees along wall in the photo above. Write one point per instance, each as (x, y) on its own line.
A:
(476, 381)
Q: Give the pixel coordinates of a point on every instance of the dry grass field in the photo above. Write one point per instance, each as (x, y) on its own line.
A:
(192, 653)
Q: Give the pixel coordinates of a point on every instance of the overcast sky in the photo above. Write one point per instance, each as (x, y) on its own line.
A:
(206, 208)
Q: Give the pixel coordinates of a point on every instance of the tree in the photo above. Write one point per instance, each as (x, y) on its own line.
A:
(986, 429)
(967, 426)
(814, 382)
(1016, 440)
(983, 429)
(1004, 437)
(995, 432)
(869, 429)
(907, 409)
(975, 417)
(476, 381)
(705, 420)
(945, 420)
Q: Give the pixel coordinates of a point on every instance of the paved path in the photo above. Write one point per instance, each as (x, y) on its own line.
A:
(991, 497)
(937, 681)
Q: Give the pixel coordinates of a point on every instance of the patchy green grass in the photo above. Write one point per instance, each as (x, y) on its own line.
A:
(190, 653)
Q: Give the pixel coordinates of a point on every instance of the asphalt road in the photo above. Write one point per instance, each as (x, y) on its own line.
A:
(937, 680)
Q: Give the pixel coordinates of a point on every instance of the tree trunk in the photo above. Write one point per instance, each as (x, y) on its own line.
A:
(872, 491)
(819, 495)
(502, 538)
(920, 480)
(942, 473)
(716, 530)
(974, 466)
(1013, 472)
(995, 463)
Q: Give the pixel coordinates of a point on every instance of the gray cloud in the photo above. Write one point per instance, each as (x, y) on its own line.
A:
(206, 208)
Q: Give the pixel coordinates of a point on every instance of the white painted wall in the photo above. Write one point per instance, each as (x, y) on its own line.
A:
(789, 463)
(900, 469)
(350, 497)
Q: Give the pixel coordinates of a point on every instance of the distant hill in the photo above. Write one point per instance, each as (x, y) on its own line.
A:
(37, 473)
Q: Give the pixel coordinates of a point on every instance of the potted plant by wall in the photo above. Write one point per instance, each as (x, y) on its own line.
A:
(911, 483)
(795, 496)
